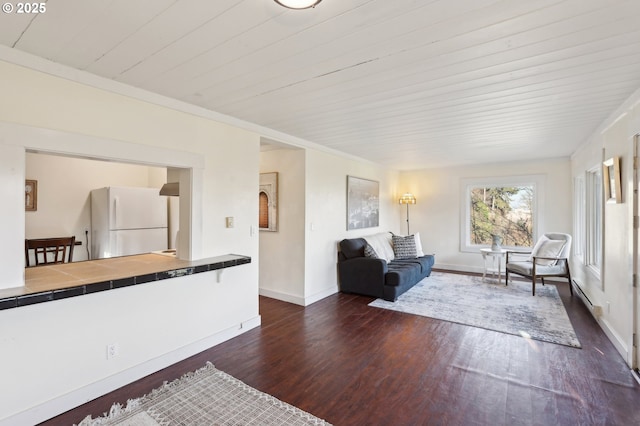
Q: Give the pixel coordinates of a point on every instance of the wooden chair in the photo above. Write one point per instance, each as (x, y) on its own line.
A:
(50, 250)
(549, 258)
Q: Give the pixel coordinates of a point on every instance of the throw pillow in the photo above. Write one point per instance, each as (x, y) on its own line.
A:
(382, 245)
(419, 251)
(404, 247)
(536, 247)
(370, 252)
(549, 248)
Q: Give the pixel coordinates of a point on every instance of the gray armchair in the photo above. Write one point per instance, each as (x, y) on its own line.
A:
(549, 258)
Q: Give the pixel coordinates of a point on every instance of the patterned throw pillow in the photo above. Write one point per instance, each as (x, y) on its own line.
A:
(404, 247)
(370, 252)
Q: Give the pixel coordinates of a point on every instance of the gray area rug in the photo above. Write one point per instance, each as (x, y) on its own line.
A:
(511, 309)
(205, 397)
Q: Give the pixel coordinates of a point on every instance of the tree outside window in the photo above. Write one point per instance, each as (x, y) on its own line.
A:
(506, 211)
(507, 206)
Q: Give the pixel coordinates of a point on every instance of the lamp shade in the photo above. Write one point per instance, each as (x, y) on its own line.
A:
(298, 4)
(407, 199)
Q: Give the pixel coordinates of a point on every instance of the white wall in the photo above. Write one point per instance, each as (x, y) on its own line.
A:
(282, 253)
(613, 290)
(298, 263)
(53, 354)
(438, 211)
(64, 185)
(326, 207)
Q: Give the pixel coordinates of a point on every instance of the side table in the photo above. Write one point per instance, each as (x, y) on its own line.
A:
(496, 257)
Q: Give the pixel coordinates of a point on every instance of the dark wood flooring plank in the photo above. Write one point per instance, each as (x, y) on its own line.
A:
(352, 364)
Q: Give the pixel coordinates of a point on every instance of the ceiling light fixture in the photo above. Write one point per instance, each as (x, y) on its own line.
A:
(298, 4)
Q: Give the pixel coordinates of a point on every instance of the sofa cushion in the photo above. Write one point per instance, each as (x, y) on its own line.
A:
(404, 247)
(425, 263)
(526, 269)
(402, 274)
(352, 247)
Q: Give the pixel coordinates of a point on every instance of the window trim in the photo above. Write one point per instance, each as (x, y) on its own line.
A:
(579, 217)
(466, 185)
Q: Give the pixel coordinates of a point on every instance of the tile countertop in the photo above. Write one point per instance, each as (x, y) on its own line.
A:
(53, 282)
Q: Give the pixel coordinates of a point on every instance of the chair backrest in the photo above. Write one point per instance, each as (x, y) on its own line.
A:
(50, 250)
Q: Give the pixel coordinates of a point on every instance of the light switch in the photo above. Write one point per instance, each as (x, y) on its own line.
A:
(229, 221)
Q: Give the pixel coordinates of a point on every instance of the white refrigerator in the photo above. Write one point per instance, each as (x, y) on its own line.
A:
(127, 220)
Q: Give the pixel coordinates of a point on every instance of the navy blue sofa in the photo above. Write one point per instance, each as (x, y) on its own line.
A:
(377, 277)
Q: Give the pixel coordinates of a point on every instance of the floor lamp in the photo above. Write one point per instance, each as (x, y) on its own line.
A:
(407, 199)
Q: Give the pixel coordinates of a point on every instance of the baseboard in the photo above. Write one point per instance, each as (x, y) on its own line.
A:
(297, 300)
(319, 296)
(285, 297)
(618, 342)
(90, 392)
(458, 268)
(596, 311)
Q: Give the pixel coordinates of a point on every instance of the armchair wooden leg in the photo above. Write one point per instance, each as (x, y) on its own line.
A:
(569, 278)
(533, 285)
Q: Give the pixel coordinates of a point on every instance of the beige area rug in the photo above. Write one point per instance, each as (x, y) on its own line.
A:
(511, 309)
(207, 396)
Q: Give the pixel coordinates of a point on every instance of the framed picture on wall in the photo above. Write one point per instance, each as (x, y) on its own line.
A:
(31, 195)
(363, 203)
(611, 178)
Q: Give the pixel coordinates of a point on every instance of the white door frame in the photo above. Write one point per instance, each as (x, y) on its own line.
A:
(635, 363)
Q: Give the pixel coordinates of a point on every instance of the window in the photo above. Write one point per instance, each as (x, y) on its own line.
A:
(505, 206)
(593, 223)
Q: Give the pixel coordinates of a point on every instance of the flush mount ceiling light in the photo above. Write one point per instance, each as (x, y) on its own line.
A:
(298, 4)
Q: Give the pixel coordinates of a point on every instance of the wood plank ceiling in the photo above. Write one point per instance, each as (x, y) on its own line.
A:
(405, 83)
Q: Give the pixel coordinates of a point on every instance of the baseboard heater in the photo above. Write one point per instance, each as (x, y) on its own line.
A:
(596, 310)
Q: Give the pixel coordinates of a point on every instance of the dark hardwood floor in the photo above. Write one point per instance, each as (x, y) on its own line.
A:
(354, 365)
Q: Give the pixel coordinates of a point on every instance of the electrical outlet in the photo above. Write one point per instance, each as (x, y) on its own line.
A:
(113, 350)
(230, 222)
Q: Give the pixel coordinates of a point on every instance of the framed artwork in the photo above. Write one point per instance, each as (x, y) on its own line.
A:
(363, 203)
(31, 195)
(268, 202)
(611, 178)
